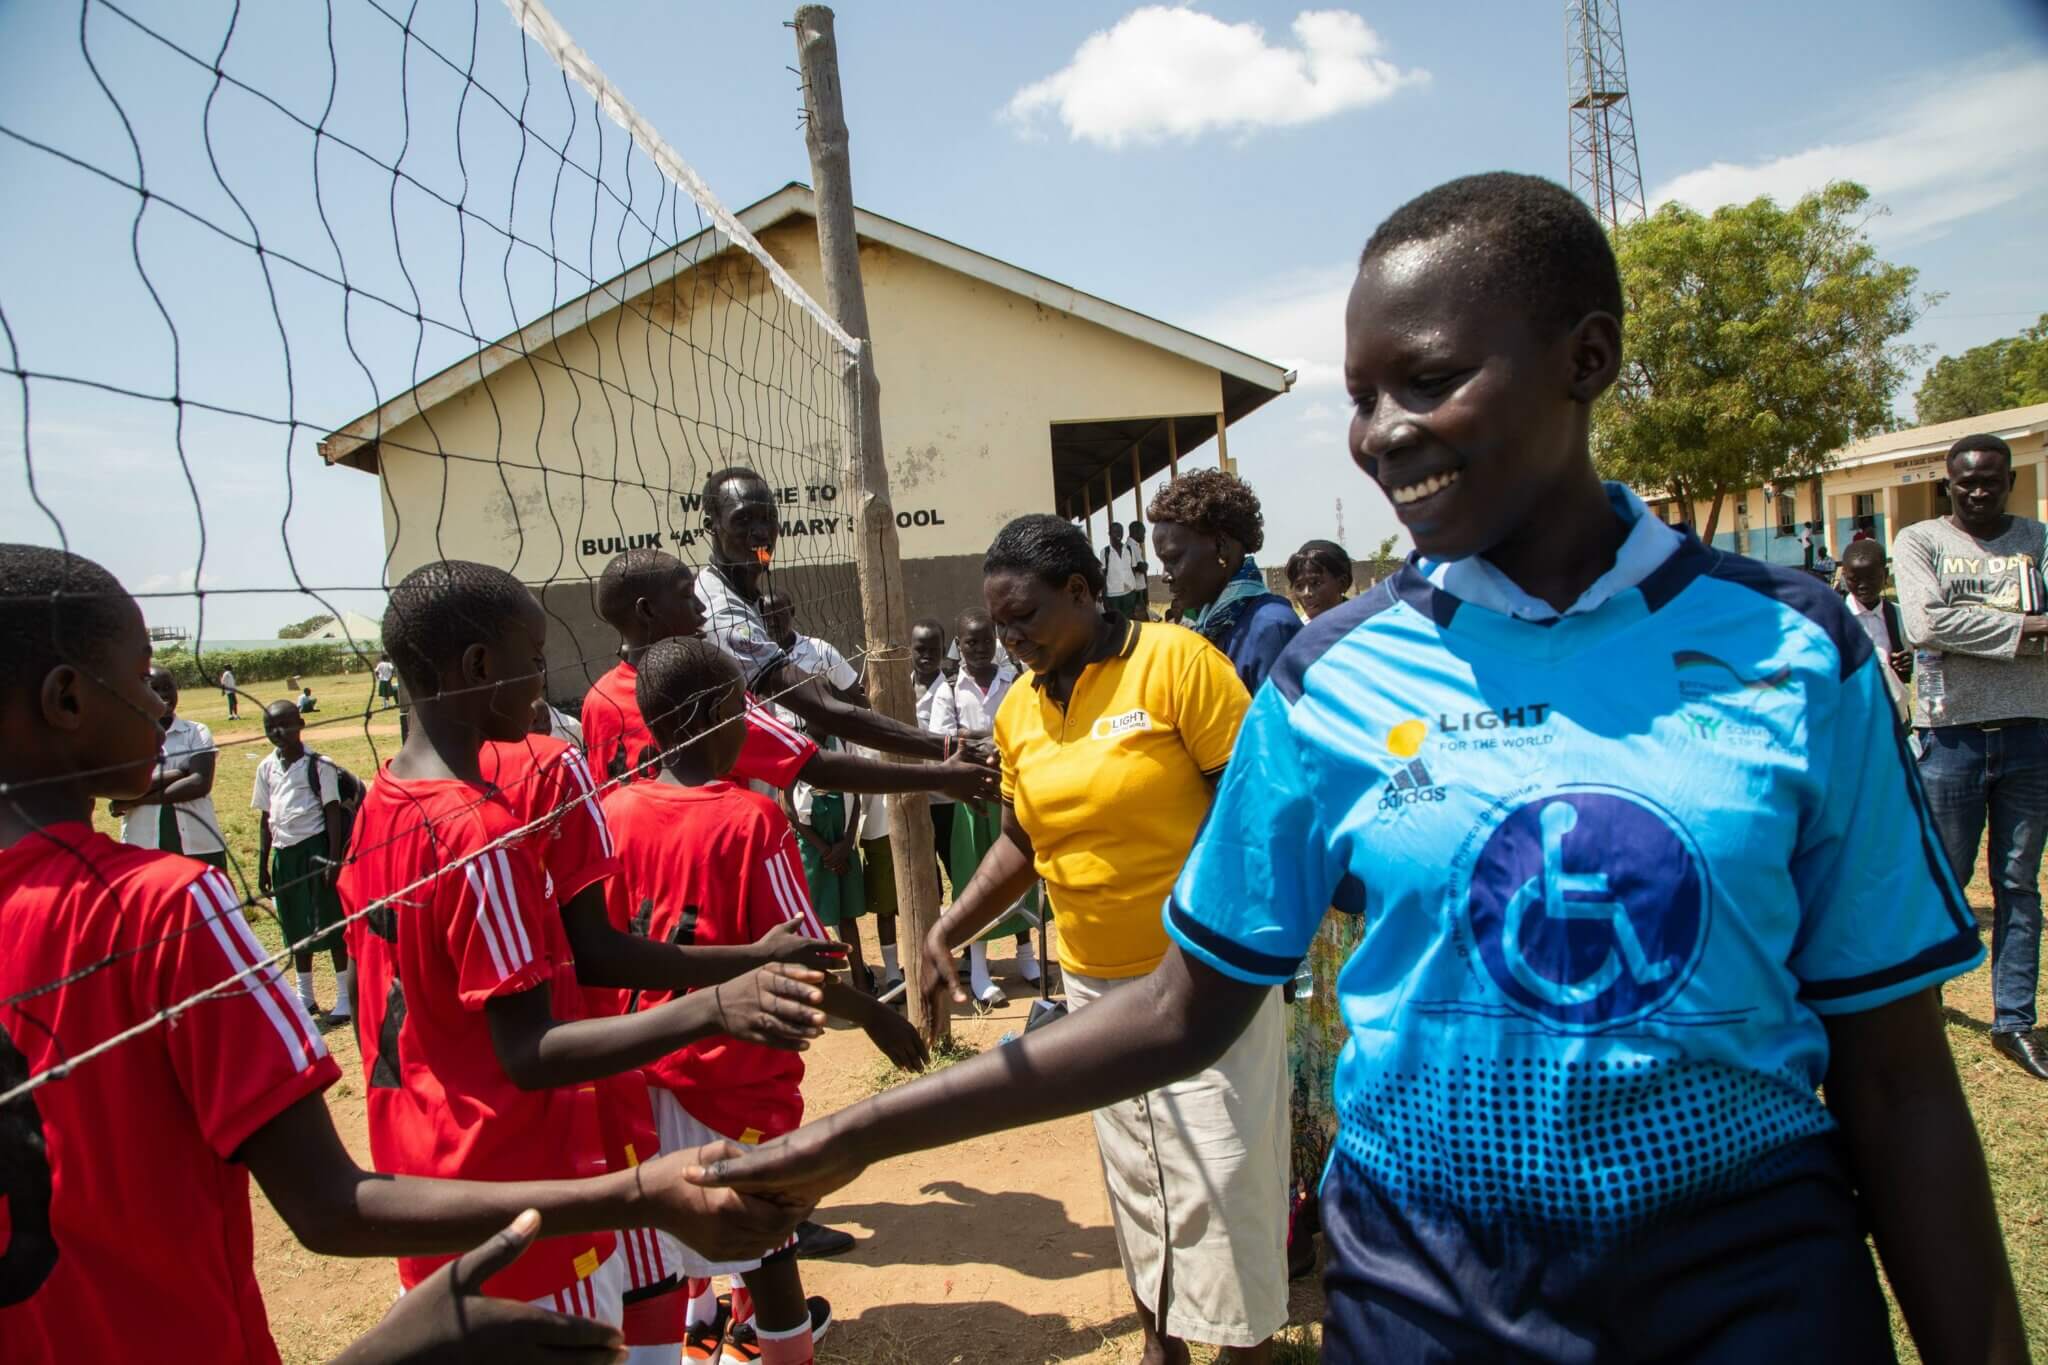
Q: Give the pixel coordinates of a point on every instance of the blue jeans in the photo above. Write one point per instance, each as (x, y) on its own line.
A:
(1969, 772)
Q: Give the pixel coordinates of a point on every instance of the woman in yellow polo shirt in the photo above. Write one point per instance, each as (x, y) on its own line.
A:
(1111, 746)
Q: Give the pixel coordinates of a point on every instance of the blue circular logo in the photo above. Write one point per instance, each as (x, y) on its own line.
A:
(1588, 907)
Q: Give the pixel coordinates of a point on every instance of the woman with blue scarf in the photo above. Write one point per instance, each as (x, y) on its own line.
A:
(1205, 528)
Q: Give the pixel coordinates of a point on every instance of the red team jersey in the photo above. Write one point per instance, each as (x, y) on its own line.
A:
(715, 864)
(484, 926)
(124, 1221)
(619, 743)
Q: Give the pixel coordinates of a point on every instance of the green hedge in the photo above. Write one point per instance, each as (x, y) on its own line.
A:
(262, 665)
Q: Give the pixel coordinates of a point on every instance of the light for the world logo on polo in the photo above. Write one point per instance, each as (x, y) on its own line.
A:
(1411, 781)
(1588, 907)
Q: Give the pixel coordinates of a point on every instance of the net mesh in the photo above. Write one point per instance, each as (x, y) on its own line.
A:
(297, 299)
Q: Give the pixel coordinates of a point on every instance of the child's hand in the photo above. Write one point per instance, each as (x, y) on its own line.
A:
(263, 878)
(719, 1224)
(775, 1006)
(787, 943)
(966, 779)
(803, 1167)
(897, 1038)
(447, 1319)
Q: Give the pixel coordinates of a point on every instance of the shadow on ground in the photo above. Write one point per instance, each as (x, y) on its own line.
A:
(1028, 1232)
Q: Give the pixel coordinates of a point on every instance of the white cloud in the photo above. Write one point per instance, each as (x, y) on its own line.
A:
(1295, 320)
(1957, 143)
(1169, 72)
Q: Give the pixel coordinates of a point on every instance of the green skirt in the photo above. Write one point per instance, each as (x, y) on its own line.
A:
(976, 827)
(1315, 1039)
(836, 896)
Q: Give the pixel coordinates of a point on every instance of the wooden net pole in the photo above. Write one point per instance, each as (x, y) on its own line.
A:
(878, 557)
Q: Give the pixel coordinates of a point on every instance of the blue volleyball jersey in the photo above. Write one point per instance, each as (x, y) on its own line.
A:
(1613, 868)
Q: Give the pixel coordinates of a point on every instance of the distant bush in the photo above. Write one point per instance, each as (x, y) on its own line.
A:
(260, 665)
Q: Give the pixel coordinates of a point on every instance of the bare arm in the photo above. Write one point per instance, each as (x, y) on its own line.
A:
(828, 715)
(263, 852)
(1892, 1086)
(336, 1208)
(606, 957)
(959, 778)
(193, 778)
(1177, 1021)
(775, 1006)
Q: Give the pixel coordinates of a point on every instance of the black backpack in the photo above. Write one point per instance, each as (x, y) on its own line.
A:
(349, 789)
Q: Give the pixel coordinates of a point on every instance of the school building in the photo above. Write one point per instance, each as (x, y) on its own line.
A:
(1881, 485)
(592, 429)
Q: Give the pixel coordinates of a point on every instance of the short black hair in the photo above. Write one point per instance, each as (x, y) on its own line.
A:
(1137, 528)
(1214, 503)
(1537, 243)
(628, 578)
(682, 679)
(442, 608)
(972, 617)
(1049, 547)
(715, 482)
(1860, 551)
(1326, 555)
(929, 623)
(1982, 440)
(55, 608)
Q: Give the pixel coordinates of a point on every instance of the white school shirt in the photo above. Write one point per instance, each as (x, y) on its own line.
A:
(227, 680)
(927, 699)
(819, 658)
(1872, 621)
(1119, 564)
(964, 709)
(297, 812)
(384, 671)
(198, 828)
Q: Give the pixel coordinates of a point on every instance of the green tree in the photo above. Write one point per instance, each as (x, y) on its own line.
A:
(299, 630)
(1759, 339)
(2011, 372)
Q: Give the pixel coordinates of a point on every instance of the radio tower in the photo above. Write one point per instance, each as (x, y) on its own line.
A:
(1340, 524)
(1605, 172)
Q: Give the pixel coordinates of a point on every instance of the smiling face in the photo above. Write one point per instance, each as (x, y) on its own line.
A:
(1041, 625)
(1979, 482)
(1195, 565)
(745, 522)
(1467, 413)
(283, 728)
(1315, 590)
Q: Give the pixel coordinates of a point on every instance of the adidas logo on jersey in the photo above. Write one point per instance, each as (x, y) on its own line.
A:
(1412, 785)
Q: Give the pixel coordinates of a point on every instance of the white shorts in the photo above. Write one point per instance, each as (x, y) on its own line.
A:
(601, 1296)
(1197, 1177)
(680, 1133)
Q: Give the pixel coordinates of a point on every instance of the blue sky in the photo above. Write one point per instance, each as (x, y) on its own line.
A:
(1215, 165)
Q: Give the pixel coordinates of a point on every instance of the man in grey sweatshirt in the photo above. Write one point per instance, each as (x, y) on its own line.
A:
(1970, 592)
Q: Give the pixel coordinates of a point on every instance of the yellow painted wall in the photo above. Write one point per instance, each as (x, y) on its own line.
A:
(554, 469)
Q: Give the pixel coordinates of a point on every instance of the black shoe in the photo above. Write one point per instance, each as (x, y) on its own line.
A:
(813, 1241)
(2025, 1050)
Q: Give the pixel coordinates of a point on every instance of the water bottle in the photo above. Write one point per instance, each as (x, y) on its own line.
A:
(1929, 684)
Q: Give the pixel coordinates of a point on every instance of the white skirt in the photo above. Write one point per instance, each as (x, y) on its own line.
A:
(1197, 1177)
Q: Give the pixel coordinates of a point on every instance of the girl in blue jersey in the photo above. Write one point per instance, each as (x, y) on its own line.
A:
(1640, 863)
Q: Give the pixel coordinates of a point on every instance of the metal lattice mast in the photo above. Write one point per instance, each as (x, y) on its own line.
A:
(1605, 169)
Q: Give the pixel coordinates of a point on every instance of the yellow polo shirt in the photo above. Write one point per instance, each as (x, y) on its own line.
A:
(1112, 788)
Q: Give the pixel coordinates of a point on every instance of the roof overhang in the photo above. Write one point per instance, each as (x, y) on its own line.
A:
(1248, 382)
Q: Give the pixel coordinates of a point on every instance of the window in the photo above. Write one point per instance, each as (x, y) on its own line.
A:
(1865, 506)
(1785, 527)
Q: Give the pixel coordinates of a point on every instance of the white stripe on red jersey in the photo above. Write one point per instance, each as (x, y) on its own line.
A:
(762, 719)
(218, 908)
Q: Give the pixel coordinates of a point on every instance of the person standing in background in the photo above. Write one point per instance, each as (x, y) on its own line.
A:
(387, 683)
(1142, 572)
(176, 813)
(1206, 526)
(1970, 592)
(1120, 571)
(227, 689)
(1318, 577)
(1863, 576)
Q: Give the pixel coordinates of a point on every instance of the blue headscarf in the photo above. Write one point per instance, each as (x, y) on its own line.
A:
(1215, 620)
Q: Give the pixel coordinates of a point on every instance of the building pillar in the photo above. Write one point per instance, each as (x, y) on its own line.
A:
(1889, 505)
(1223, 448)
(2041, 489)
(1172, 451)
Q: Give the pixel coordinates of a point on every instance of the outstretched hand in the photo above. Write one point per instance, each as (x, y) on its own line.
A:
(941, 982)
(448, 1320)
(776, 1006)
(788, 943)
(966, 779)
(719, 1224)
(897, 1037)
(803, 1167)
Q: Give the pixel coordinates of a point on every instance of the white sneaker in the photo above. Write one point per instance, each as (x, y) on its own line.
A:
(991, 996)
(341, 1010)
(1027, 964)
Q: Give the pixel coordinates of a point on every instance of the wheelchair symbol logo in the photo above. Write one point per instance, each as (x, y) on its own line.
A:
(1588, 908)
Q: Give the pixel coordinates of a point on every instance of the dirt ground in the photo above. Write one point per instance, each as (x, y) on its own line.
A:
(994, 1252)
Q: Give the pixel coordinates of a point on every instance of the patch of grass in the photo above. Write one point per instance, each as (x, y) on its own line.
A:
(884, 1074)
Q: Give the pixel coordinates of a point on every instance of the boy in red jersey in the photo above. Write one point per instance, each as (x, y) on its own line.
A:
(650, 595)
(703, 860)
(470, 1072)
(124, 1212)
(546, 783)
